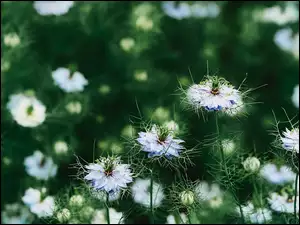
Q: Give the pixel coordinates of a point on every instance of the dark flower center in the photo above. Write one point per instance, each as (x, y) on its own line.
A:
(108, 173)
(215, 91)
(29, 110)
(42, 162)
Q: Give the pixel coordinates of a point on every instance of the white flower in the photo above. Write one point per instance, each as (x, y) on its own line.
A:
(251, 164)
(27, 111)
(60, 147)
(109, 174)
(283, 203)
(204, 10)
(159, 141)
(57, 8)
(100, 217)
(11, 40)
(211, 194)
(63, 215)
(228, 146)
(141, 193)
(39, 166)
(76, 201)
(295, 97)
(171, 219)
(213, 94)
(127, 44)
(69, 82)
(181, 11)
(275, 175)
(276, 15)
(290, 140)
(256, 215)
(74, 107)
(16, 214)
(41, 207)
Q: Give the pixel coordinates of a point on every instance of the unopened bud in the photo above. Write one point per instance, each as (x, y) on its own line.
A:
(251, 164)
(76, 200)
(187, 198)
(63, 215)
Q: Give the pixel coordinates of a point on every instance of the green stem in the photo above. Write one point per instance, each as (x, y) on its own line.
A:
(295, 200)
(151, 199)
(189, 217)
(107, 208)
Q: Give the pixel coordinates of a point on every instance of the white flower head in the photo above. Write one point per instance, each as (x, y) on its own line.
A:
(179, 12)
(205, 10)
(68, 81)
(290, 140)
(56, 8)
(295, 96)
(256, 215)
(108, 174)
(251, 164)
(11, 40)
(40, 205)
(287, 42)
(26, 110)
(141, 192)
(213, 94)
(209, 193)
(283, 202)
(60, 147)
(277, 175)
(16, 214)
(159, 141)
(100, 217)
(40, 166)
(171, 219)
(228, 146)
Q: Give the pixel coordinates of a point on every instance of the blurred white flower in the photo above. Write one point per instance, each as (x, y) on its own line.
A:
(141, 192)
(141, 76)
(42, 207)
(181, 11)
(40, 166)
(290, 140)
(213, 94)
(127, 44)
(295, 96)
(144, 23)
(57, 8)
(108, 174)
(228, 146)
(63, 215)
(172, 126)
(283, 203)
(160, 142)
(251, 164)
(256, 215)
(205, 9)
(100, 217)
(275, 175)
(60, 147)
(11, 40)
(27, 111)
(76, 201)
(171, 219)
(212, 194)
(69, 82)
(16, 214)
(276, 15)
(74, 107)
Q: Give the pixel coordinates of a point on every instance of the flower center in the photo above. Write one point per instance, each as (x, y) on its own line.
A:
(108, 173)
(42, 162)
(215, 91)
(290, 200)
(30, 110)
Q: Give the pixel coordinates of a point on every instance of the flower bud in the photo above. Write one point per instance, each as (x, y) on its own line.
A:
(63, 215)
(60, 147)
(251, 164)
(127, 44)
(187, 198)
(11, 40)
(76, 200)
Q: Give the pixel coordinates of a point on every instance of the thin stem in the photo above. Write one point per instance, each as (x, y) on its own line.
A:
(295, 198)
(107, 208)
(151, 199)
(189, 217)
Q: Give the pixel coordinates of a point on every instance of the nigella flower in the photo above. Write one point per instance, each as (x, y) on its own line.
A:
(181, 11)
(39, 204)
(68, 81)
(40, 166)
(109, 175)
(213, 94)
(295, 96)
(16, 214)
(277, 175)
(57, 8)
(256, 215)
(290, 140)
(26, 110)
(283, 202)
(159, 141)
